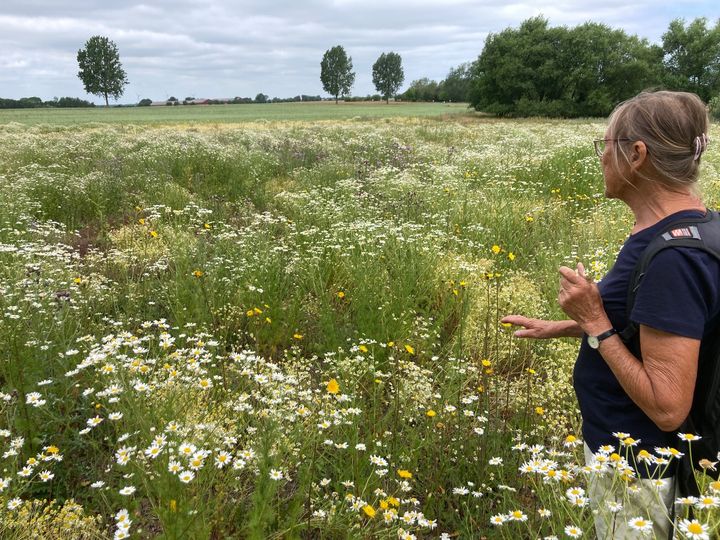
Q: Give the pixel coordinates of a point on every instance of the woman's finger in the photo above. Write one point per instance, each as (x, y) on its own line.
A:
(517, 320)
(568, 274)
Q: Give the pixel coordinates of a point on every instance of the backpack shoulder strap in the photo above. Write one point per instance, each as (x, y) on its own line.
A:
(701, 233)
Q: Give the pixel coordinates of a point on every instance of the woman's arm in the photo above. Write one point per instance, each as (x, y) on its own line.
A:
(662, 385)
(542, 329)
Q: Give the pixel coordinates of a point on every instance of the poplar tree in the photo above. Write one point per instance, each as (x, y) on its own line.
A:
(388, 74)
(336, 72)
(100, 69)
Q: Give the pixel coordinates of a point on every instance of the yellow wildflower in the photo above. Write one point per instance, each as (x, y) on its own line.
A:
(333, 387)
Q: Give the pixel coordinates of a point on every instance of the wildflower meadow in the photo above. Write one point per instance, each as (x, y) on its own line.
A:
(292, 330)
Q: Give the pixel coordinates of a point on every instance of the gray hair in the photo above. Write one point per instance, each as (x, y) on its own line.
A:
(673, 126)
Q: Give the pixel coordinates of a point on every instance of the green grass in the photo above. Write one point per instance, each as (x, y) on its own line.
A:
(229, 114)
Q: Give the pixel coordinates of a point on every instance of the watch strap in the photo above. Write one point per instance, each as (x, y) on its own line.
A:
(606, 334)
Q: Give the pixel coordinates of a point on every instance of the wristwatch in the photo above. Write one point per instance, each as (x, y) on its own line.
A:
(594, 341)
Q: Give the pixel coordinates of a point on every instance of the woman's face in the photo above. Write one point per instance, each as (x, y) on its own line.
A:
(614, 169)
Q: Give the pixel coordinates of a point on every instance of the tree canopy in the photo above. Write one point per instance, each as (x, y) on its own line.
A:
(388, 74)
(422, 90)
(100, 69)
(582, 71)
(692, 57)
(336, 72)
(456, 86)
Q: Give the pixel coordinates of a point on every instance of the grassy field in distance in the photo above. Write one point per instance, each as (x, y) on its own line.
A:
(325, 110)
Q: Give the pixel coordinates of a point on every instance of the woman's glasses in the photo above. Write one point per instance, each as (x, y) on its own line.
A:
(601, 143)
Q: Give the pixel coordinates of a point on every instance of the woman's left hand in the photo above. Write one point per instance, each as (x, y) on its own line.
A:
(580, 298)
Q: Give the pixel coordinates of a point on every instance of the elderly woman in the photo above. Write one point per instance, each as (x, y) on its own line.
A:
(650, 159)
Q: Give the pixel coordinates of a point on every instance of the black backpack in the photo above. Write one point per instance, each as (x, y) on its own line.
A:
(704, 418)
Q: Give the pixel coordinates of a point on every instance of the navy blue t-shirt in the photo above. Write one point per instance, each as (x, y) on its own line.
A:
(679, 294)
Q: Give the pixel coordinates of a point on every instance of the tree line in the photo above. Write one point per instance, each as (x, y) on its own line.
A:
(36, 102)
(259, 98)
(455, 87)
(337, 77)
(539, 70)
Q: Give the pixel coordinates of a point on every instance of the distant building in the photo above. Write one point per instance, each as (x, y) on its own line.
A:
(200, 101)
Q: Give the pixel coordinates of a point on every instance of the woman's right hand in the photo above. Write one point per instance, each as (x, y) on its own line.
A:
(532, 328)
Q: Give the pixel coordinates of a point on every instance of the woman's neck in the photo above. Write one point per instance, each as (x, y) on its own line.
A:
(649, 208)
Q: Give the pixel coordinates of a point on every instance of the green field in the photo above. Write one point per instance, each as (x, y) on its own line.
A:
(291, 329)
(222, 114)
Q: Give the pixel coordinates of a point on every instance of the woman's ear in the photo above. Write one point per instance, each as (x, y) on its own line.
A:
(638, 155)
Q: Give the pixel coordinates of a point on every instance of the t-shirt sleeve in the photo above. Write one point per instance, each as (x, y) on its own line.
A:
(679, 292)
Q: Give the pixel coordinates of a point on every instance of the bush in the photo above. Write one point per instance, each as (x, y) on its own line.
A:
(714, 108)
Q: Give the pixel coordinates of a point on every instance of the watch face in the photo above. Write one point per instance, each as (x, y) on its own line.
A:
(593, 342)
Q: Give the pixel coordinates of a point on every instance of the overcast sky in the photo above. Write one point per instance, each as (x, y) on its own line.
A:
(226, 48)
